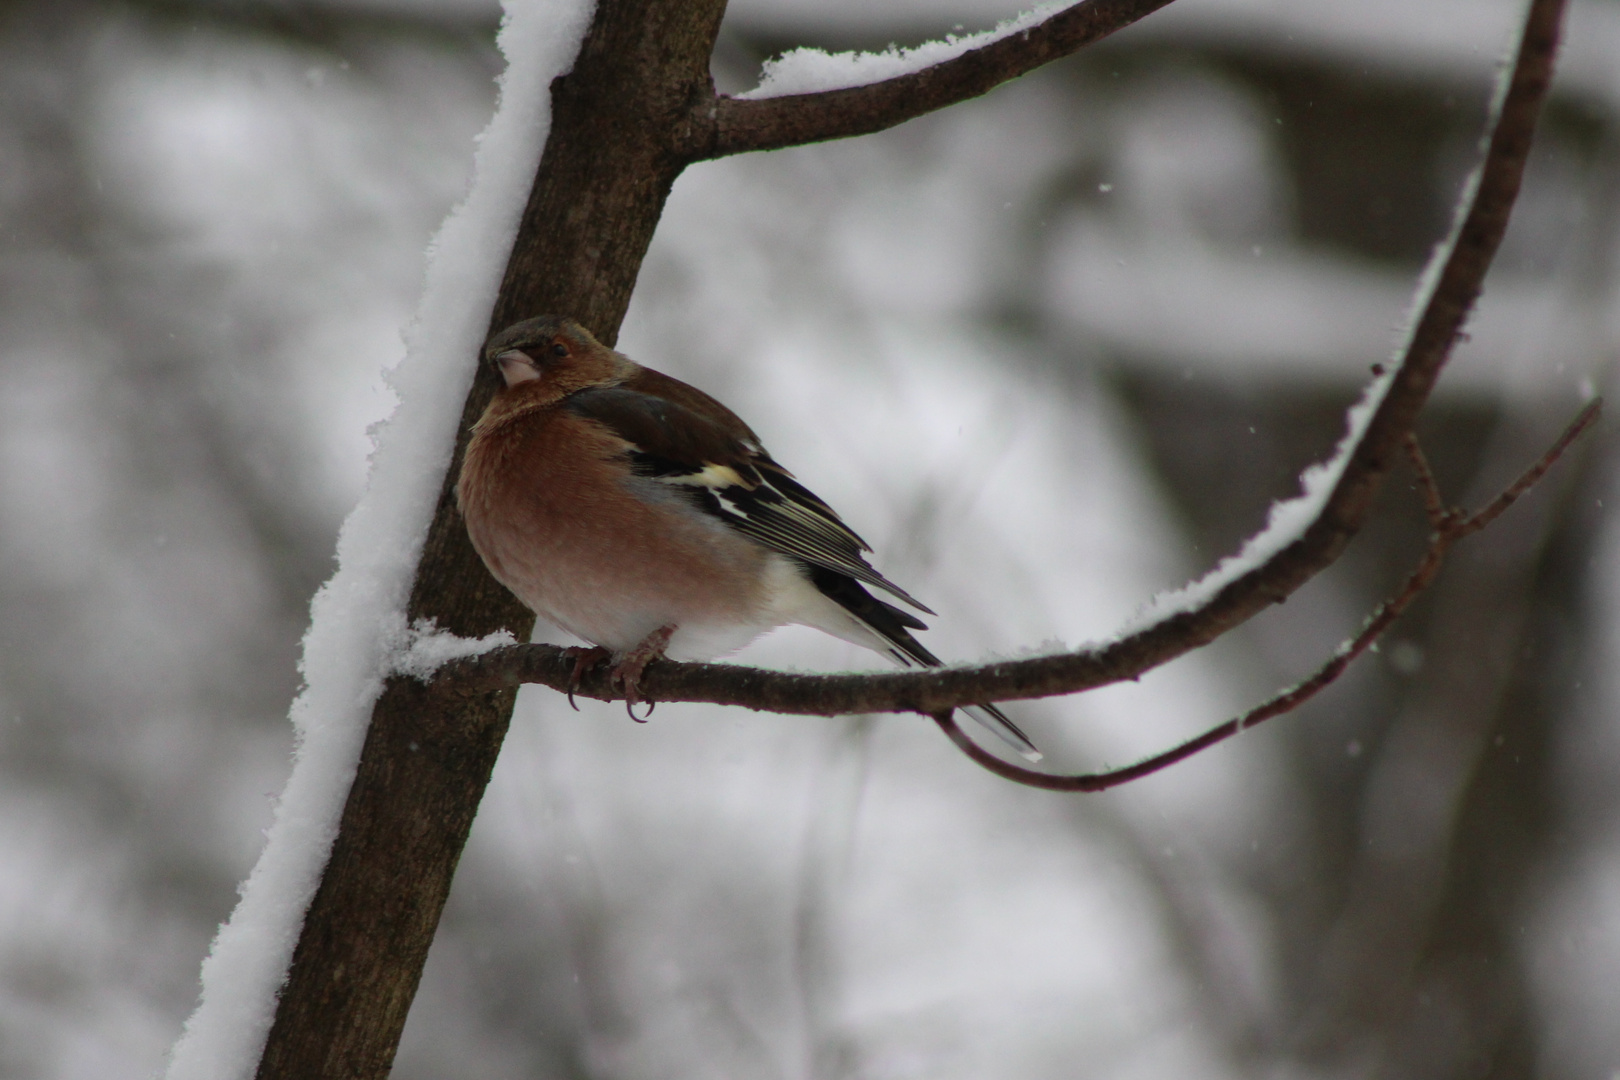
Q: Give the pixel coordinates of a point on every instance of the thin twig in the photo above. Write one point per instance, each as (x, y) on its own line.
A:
(1492, 510)
(1453, 528)
(1433, 505)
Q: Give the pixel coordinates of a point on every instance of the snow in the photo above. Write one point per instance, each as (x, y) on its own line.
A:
(1289, 518)
(357, 616)
(424, 648)
(809, 71)
(1286, 522)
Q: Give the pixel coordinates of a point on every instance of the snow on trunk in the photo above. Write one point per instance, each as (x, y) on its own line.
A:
(358, 618)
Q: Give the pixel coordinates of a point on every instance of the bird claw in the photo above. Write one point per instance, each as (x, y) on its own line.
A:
(584, 660)
(627, 672)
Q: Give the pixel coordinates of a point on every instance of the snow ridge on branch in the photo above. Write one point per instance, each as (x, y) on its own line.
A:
(808, 71)
(780, 114)
(422, 649)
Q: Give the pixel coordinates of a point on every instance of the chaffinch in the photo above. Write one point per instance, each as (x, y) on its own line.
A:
(640, 514)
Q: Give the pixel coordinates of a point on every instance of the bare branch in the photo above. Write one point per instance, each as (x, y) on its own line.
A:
(1453, 527)
(1433, 504)
(1454, 291)
(1585, 419)
(727, 125)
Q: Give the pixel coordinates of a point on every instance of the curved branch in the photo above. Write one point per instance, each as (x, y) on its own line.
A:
(1450, 526)
(727, 125)
(1455, 288)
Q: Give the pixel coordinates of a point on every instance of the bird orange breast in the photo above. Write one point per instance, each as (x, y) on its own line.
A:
(559, 520)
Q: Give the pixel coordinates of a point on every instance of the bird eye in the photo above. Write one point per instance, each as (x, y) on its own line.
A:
(559, 349)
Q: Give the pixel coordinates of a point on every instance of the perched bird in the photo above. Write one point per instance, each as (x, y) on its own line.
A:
(640, 514)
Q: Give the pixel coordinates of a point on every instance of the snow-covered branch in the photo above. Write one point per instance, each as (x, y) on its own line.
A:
(910, 83)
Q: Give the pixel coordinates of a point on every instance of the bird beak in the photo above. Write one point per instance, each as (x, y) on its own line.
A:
(516, 366)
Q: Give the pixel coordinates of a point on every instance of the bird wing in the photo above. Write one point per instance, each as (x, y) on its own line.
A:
(728, 475)
(677, 435)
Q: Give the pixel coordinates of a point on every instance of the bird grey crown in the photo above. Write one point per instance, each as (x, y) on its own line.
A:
(531, 332)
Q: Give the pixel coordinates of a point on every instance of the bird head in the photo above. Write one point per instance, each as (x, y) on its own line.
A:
(555, 351)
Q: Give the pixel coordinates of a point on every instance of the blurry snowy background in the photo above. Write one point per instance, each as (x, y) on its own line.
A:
(1051, 351)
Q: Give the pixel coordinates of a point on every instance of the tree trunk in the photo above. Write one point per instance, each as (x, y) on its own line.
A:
(603, 178)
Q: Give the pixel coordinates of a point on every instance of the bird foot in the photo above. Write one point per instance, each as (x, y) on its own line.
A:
(627, 672)
(584, 659)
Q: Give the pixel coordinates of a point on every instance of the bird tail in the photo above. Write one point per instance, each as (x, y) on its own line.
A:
(894, 626)
(995, 721)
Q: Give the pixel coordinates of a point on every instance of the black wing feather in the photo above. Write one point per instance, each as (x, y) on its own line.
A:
(732, 479)
(892, 623)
